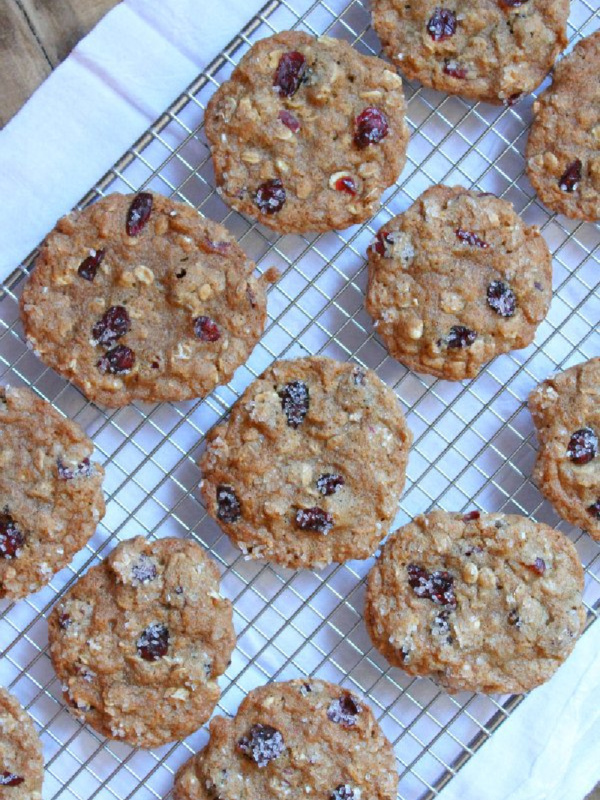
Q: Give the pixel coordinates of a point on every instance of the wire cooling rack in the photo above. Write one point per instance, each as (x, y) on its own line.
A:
(474, 445)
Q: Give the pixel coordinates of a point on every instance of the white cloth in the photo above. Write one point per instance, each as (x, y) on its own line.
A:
(90, 110)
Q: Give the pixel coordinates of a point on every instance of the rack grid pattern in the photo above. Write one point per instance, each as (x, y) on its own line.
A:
(474, 446)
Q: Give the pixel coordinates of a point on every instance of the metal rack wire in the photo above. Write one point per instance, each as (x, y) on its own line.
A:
(474, 445)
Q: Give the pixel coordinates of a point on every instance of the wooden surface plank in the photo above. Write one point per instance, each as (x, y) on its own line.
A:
(23, 65)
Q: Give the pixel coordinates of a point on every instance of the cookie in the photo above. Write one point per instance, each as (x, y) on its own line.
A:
(563, 149)
(307, 133)
(141, 298)
(50, 492)
(299, 739)
(139, 641)
(21, 762)
(490, 50)
(456, 280)
(566, 414)
(478, 602)
(309, 467)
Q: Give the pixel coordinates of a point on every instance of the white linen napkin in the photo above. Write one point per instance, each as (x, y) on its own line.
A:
(91, 109)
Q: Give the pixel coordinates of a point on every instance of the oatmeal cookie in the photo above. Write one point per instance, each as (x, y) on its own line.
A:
(563, 150)
(307, 133)
(299, 739)
(490, 50)
(478, 602)
(455, 280)
(50, 492)
(139, 641)
(138, 297)
(566, 413)
(21, 762)
(309, 467)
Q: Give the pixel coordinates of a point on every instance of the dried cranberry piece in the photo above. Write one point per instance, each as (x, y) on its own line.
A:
(117, 361)
(594, 509)
(344, 710)
(513, 99)
(82, 470)
(139, 213)
(329, 483)
(10, 779)
(460, 336)
(471, 515)
(212, 247)
(289, 73)
(454, 70)
(295, 401)
(289, 120)
(89, 266)
(270, 196)
(144, 569)
(370, 127)
(111, 326)
(583, 446)
(342, 792)
(538, 566)
(64, 621)
(206, 329)
(471, 238)
(154, 642)
(228, 505)
(437, 586)
(314, 519)
(383, 244)
(442, 24)
(571, 177)
(512, 3)
(346, 184)
(262, 744)
(501, 298)
(11, 538)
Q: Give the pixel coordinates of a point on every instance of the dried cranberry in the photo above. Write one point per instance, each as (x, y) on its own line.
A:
(262, 744)
(89, 266)
(513, 99)
(139, 213)
(329, 483)
(512, 3)
(295, 402)
(270, 196)
(111, 326)
(64, 621)
(442, 24)
(370, 127)
(154, 642)
(583, 446)
(206, 329)
(437, 586)
(344, 710)
(460, 336)
(538, 566)
(383, 244)
(117, 361)
(346, 184)
(82, 470)
(471, 515)
(594, 509)
(10, 779)
(11, 538)
(314, 519)
(501, 298)
(571, 177)
(228, 505)
(144, 569)
(213, 247)
(471, 238)
(454, 70)
(289, 73)
(289, 120)
(342, 792)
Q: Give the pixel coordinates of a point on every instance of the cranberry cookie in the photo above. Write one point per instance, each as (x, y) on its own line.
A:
(307, 133)
(303, 738)
(21, 762)
(566, 413)
(563, 150)
(491, 50)
(139, 642)
(50, 492)
(141, 298)
(480, 602)
(309, 467)
(455, 280)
